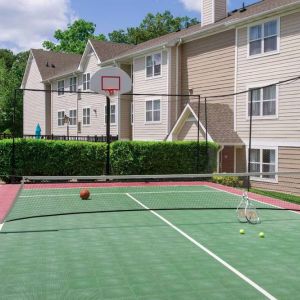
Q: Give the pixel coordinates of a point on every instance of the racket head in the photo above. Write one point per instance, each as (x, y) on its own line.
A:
(251, 214)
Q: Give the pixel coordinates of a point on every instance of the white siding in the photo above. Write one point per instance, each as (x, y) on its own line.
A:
(95, 102)
(158, 85)
(34, 106)
(207, 12)
(267, 70)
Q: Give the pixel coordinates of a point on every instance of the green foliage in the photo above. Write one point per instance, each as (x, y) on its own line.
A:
(277, 195)
(42, 157)
(6, 131)
(74, 38)
(228, 180)
(152, 26)
(10, 79)
(131, 158)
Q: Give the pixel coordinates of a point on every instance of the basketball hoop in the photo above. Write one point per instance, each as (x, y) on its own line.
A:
(111, 81)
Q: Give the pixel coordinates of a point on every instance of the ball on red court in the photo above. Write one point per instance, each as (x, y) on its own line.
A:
(84, 194)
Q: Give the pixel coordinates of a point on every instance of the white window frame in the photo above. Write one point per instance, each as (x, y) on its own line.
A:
(60, 90)
(61, 111)
(88, 124)
(261, 116)
(111, 123)
(132, 113)
(73, 125)
(72, 85)
(160, 110)
(161, 64)
(86, 82)
(261, 148)
(262, 54)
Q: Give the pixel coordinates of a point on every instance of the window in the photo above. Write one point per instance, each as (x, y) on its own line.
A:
(131, 113)
(263, 38)
(61, 87)
(263, 160)
(112, 114)
(86, 116)
(61, 118)
(73, 87)
(153, 111)
(153, 65)
(86, 81)
(73, 117)
(263, 101)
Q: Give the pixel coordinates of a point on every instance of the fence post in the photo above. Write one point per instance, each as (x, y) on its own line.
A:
(107, 171)
(250, 139)
(198, 134)
(13, 159)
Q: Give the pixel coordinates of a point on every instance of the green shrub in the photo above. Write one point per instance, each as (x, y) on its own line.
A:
(135, 157)
(228, 180)
(53, 158)
(7, 131)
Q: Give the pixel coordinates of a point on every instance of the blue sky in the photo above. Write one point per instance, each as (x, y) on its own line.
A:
(25, 24)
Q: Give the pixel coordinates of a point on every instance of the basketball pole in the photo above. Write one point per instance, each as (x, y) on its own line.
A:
(107, 172)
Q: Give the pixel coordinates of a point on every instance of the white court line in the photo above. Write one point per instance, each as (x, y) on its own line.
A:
(1, 225)
(118, 193)
(210, 253)
(215, 188)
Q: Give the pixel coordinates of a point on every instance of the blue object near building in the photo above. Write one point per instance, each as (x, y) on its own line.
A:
(38, 131)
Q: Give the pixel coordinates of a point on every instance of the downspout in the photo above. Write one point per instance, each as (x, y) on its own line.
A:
(177, 74)
(218, 158)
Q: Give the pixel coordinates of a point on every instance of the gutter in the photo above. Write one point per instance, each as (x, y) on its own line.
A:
(218, 158)
(234, 23)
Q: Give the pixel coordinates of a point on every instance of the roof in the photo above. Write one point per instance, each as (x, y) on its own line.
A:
(66, 63)
(107, 50)
(52, 64)
(260, 7)
(220, 122)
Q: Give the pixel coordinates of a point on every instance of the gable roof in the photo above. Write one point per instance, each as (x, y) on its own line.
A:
(253, 10)
(107, 50)
(220, 122)
(52, 64)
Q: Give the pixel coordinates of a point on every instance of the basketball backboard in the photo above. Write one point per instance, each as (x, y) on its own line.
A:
(110, 81)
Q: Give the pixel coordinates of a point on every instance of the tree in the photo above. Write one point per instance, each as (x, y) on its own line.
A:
(8, 57)
(10, 79)
(74, 38)
(152, 26)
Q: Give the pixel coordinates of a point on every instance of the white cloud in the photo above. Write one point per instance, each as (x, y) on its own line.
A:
(26, 24)
(192, 5)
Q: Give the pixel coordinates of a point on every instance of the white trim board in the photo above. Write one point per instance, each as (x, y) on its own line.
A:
(207, 251)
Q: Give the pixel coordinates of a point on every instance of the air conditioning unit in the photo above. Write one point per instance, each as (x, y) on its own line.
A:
(79, 127)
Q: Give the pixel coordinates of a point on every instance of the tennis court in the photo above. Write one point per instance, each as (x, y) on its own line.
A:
(56, 246)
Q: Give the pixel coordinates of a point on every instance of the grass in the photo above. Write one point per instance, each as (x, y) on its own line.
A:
(277, 195)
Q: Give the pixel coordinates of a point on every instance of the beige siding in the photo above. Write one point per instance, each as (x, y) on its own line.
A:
(72, 101)
(125, 130)
(158, 85)
(173, 80)
(288, 161)
(125, 117)
(207, 12)
(207, 67)
(34, 104)
(267, 70)
(189, 132)
(220, 9)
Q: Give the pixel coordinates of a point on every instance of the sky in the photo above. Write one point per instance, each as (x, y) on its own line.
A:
(25, 24)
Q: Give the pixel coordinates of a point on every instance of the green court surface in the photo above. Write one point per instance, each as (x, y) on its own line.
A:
(180, 254)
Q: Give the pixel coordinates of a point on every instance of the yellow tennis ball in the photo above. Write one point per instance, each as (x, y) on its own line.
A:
(242, 231)
(261, 235)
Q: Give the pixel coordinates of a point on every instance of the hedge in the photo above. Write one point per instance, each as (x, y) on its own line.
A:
(62, 158)
(131, 158)
(43, 157)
